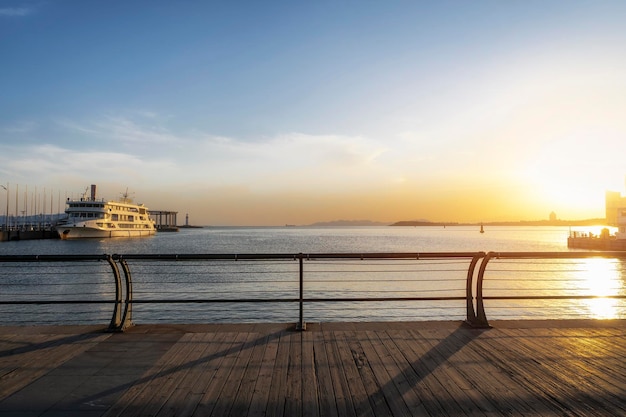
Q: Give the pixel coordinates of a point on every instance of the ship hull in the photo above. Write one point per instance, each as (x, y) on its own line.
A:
(77, 232)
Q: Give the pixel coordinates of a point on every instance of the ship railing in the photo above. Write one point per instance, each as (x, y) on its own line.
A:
(136, 288)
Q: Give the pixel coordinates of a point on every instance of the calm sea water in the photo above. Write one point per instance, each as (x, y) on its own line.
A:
(163, 281)
(312, 239)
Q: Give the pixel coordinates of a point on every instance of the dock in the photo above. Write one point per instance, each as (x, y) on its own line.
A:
(596, 243)
(571, 367)
(11, 235)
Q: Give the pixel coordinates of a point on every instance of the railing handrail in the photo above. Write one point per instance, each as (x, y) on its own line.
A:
(288, 256)
(53, 258)
(475, 309)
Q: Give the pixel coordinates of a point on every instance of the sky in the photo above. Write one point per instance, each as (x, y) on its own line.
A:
(283, 112)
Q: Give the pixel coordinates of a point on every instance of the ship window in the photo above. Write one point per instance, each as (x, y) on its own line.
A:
(114, 217)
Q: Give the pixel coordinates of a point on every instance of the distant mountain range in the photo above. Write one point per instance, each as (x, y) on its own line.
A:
(350, 223)
(586, 222)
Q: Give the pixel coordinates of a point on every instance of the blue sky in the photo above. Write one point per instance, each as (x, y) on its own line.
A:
(295, 112)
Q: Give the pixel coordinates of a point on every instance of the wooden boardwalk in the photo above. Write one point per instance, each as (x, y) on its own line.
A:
(344, 369)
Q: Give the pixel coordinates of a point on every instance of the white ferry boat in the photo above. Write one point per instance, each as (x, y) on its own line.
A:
(92, 218)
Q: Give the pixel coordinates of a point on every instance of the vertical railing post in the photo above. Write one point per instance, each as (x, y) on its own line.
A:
(301, 324)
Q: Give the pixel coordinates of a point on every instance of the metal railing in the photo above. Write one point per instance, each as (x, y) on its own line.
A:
(54, 280)
(544, 269)
(305, 286)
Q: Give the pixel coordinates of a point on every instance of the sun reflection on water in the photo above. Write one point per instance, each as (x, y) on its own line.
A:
(603, 279)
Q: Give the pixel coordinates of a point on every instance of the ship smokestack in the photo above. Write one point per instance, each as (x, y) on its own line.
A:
(93, 192)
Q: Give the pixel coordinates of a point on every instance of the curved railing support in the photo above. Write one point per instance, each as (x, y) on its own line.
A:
(127, 315)
(471, 318)
(481, 317)
(117, 306)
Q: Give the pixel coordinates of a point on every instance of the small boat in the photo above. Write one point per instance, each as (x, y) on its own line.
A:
(89, 217)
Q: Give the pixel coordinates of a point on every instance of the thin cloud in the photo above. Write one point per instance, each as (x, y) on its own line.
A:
(123, 129)
(19, 127)
(271, 162)
(16, 11)
(49, 161)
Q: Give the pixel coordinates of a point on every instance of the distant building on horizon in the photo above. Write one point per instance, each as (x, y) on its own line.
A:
(552, 216)
(616, 212)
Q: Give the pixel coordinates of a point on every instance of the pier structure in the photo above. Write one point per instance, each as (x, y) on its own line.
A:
(19, 234)
(602, 242)
(344, 368)
(165, 220)
(615, 216)
(528, 368)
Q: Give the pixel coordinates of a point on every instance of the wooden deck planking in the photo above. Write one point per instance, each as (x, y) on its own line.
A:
(390, 377)
(531, 387)
(359, 397)
(430, 389)
(181, 390)
(232, 396)
(206, 373)
(310, 394)
(414, 395)
(536, 370)
(260, 396)
(490, 386)
(293, 391)
(403, 369)
(143, 394)
(574, 367)
(447, 396)
(325, 386)
(211, 398)
(25, 358)
(451, 381)
(456, 384)
(278, 385)
(343, 396)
